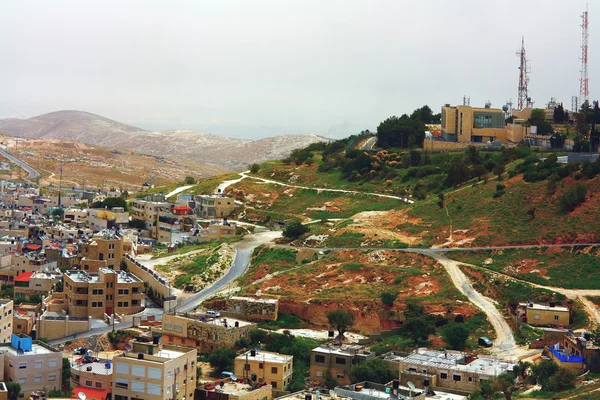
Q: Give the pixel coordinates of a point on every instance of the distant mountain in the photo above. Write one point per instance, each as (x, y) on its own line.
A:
(80, 126)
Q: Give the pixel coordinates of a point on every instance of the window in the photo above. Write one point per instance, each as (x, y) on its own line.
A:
(51, 378)
(168, 327)
(274, 384)
(340, 360)
(22, 381)
(37, 379)
(340, 376)
(247, 367)
(52, 363)
(22, 365)
(456, 378)
(94, 304)
(319, 358)
(536, 316)
(470, 379)
(556, 317)
(121, 368)
(137, 370)
(273, 370)
(260, 365)
(121, 383)
(178, 328)
(98, 385)
(319, 372)
(443, 375)
(154, 373)
(88, 383)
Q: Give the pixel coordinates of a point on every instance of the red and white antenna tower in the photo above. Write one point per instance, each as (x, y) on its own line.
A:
(523, 99)
(584, 92)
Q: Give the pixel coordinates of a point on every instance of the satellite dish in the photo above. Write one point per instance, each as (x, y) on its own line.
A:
(81, 395)
(128, 347)
(411, 385)
(233, 377)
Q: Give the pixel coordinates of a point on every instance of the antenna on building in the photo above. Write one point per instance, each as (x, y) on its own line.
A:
(584, 92)
(574, 104)
(466, 101)
(523, 95)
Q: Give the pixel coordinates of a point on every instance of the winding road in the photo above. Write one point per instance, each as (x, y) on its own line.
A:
(33, 174)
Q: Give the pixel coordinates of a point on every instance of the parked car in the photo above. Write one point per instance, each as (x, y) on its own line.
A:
(485, 342)
(227, 374)
(81, 351)
(213, 314)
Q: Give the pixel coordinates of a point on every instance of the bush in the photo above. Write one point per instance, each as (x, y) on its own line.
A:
(254, 168)
(294, 229)
(222, 359)
(372, 370)
(190, 180)
(388, 298)
(498, 194)
(573, 196)
(455, 335)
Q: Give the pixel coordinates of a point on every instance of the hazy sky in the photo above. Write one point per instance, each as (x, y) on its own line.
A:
(257, 68)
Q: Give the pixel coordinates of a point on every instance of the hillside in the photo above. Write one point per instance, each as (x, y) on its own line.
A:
(84, 127)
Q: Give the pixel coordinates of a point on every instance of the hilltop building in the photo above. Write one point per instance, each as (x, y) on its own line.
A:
(338, 359)
(269, 367)
(214, 206)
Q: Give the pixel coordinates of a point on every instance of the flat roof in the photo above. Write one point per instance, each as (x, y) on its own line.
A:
(261, 355)
(35, 349)
(234, 388)
(343, 350)
(253, 300)
(543, 307)
(96, 367)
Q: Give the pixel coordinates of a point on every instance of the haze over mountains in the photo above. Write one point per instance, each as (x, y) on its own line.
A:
(80, 126)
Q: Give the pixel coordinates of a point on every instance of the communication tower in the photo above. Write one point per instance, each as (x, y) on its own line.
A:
(584, 93)
(524, 69)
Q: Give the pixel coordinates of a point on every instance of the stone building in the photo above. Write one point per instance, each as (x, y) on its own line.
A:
(338, 359)
(269, 367)
(254, 309)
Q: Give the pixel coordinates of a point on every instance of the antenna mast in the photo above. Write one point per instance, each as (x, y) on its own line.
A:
(584, 92)
(523, 97)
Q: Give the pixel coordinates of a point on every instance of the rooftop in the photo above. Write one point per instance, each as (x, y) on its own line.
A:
(82, 276)
(225, 322)
(100, 367)
(265, 356)
(36, 349)
(453, 360)
(233, 388)
(345, 349)
(533, 306)
(253, 300)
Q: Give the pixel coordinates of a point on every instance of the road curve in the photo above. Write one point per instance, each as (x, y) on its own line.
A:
(240, 264)
(33, 174)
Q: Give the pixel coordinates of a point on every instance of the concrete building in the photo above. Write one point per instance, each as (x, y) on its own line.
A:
(229, 390)
(99, 219)
(174, 223)
(108, 292)
(34, 365)
(253, 309)
(466, 124)
(106, 246)
(6, 320)
(391, 390)
(147, 210)
(446, 369)
(206, 334)
(338, 360)
(96, 375)
(30, 284)
(75, 215)
(271, 368)
(575, 351)
(214, 206)
(152, 371)
(544, 315)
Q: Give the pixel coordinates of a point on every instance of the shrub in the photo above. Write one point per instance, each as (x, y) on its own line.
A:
(388, 298)
(254, 168)
(294, 229)
(573, 196)
(498, 194)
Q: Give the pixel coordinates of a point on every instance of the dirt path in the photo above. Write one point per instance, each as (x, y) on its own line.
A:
(178, 190)
(244, 175)
(504, 344)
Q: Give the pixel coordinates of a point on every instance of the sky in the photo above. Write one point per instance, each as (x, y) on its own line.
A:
(259, 68)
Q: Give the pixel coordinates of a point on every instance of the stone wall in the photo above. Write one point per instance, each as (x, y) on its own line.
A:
(59, 327)
(151, 278)
(253, 309)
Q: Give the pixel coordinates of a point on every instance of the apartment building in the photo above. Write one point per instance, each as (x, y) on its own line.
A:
(466, 124)
(338, 359)
(147, 210)
(206, 334)
(271, 368)
(106, 246)
(23, 321)
(30, 284)
(75, 215)
(174, 223)
(94, 378)
(446, 369)
(153, 371)
(213, 206)
(99, 219)
(108, 291)
(6, 320)
(33, 364)
(575, 351)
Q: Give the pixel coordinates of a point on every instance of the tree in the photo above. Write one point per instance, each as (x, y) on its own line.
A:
(66, 372)
(559, 114)
(418, 324)
(457, 174)
(388, 298)
(330, 382)
(499, 169)
(562, 379)
(504, 383)
(538, 118)
(294, 229)
(14, 389)
(222, 359)
(401, 132)
(110, 203)
(478, 171)
(372, 370)
(542, 371)
(254, 168)
(190, 180)
(58, 212)
(455, 335)
(341, 320)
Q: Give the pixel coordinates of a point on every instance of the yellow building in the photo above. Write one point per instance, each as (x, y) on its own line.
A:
(152, 371)
(229, 390)
(539, 314)
(213, 206)
(94, 375)
(30, 284)
(338, 360)
(270, 368)
(147, 210)
(6, 320)
(99, 219)
(106, 246)
(465, 124)
(108, 292)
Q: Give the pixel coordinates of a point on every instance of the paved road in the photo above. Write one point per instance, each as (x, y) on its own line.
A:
(32, 172)
(240, 264)
(369, 144)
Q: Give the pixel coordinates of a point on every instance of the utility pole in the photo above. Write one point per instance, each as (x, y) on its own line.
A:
(60, 186)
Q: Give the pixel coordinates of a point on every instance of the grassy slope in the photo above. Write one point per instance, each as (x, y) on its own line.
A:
(568, 268)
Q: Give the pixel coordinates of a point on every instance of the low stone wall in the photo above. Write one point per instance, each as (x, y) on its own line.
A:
(153, 280)
(59, 327)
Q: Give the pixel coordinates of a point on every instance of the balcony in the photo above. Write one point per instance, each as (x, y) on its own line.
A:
(559, 352)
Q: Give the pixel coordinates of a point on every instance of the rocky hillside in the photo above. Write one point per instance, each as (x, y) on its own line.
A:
(79, 126)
